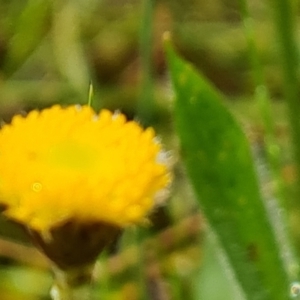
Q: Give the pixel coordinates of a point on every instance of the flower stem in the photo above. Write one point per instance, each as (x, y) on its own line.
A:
(72, 285)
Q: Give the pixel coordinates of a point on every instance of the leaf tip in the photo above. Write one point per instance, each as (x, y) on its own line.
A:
(167, 41)
(167, 37)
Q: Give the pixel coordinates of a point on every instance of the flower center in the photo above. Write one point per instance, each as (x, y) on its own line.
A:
(71, 155)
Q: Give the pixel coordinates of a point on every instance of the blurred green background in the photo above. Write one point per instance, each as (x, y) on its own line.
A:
(50, 52)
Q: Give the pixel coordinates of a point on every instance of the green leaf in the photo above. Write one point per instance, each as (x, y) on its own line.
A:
(68, 49)
(219, 163)
(30, 28)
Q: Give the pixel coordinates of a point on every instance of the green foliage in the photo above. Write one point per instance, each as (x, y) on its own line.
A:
(219, 162)
(30, 27)
(51, 50)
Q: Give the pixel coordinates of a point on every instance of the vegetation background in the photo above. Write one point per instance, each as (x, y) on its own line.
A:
(50, 52)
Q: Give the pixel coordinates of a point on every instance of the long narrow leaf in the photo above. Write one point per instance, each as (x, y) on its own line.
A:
(219, 163)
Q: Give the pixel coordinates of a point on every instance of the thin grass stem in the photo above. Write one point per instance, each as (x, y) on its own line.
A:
(145, 107)
(262, 98)
(284, 21)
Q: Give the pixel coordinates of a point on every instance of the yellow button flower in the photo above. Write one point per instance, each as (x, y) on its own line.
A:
(70, 163)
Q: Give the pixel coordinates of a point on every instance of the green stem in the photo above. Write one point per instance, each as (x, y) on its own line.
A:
(72, 285)
(141, 263)
(284, 19)
(146, 100)
(285, 30)
(262, 97)
(272, 148)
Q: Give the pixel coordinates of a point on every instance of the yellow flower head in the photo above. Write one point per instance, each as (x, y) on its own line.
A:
(71, 163)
